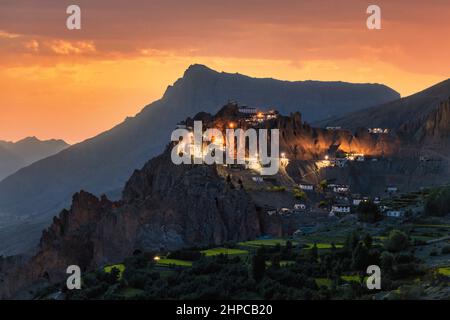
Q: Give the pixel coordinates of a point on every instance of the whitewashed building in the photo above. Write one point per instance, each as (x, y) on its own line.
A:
(304, 186)
(341, 188)
(258, 179)
(340, 208)
(394, 213)
(392, 189)
(247, 110)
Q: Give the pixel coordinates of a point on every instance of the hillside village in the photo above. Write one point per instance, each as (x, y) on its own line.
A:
(309, 213)
(328, 197)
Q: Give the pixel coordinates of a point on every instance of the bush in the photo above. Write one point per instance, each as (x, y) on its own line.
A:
(299, 194)
(396, 241)
(277, 189)
(438, 202)
(387, 260)
(445, 250)
(368, 212)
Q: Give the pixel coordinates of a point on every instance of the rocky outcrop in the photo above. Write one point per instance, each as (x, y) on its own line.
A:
(432, 129)
(302, 142)
(164, 207)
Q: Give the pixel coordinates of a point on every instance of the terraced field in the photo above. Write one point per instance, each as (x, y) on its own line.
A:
(119, 267)
(226, 251)
(444, 271)
(173, 262)
(265, 242)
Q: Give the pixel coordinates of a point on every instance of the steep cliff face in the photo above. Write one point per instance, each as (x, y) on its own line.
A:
(432, 129)
(303, 142)
(396, 113)
(164, 207)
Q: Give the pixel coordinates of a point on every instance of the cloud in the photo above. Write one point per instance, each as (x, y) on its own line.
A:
(32, 45)
(66, 47)
(8, 35)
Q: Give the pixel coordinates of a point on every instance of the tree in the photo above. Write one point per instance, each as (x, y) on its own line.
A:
(276, 261)
(438, 202)
(387, 260)
(360, 257)
(323, 185)
(352, 241)
(323, 204)
(368, 241)
(396, 241)
(288, 245)
(299, 194)
(258, 266)
(314, 253)
(368, 211)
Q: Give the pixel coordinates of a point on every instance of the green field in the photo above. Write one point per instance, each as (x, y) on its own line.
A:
(324, 245)
(174, 262)
(444, 271)
(264, 242)
(328, 282)
(323, 282)
(283, 263)
(227, 251)
(353, 277)
(120, 267)
(432, 225)
(349, 278)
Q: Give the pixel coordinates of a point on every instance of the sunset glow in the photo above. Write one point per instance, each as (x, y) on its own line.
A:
(57, 83)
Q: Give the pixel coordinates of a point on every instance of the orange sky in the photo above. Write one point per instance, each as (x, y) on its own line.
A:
(57, 83)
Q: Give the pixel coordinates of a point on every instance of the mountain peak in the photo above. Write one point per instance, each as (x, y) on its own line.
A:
(195, 69)
(30, 139)
(36, 140)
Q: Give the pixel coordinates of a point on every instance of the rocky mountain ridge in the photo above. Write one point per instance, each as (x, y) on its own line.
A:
(16, 155)
(34, 194)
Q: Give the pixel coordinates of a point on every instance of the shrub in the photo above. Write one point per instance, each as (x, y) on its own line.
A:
(277, 188)
(368, 212)
(445, 250)
(387, 260)
(396, 241)
(438, 202)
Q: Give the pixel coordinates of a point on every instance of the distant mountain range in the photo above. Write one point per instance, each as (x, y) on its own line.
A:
(16, 155)
(104, 163)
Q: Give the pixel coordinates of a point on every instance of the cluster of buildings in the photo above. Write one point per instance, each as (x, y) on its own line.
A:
(252, 116)
(214, 134)
(370, 130)
(343, 202)
(341, 162)
(298, 208)
(378, 130)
